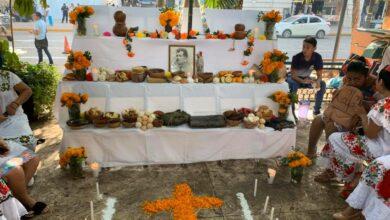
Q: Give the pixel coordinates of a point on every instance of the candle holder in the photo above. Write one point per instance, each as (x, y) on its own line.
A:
(95, 167)
(271, 175)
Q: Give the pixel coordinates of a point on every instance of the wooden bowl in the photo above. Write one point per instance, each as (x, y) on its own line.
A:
(138, 78)
(179, 73)
(114, 124)
(156, 73)
(232, 123)
(239, 35)
(250, 125)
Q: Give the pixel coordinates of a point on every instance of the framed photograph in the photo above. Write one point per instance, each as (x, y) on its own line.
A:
(182, 58)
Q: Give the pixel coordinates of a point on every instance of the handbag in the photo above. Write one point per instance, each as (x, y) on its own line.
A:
(341, 109)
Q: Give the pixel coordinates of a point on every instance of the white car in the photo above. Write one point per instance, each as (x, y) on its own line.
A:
(303, 25)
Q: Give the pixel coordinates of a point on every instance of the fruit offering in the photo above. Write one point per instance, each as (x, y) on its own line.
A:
(113, 119)
(129, 117)
(145, 120)
(251, 121)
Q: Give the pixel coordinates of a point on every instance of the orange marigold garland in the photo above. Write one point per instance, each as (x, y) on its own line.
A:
(169, 17)
(271, 16)
(183, 204)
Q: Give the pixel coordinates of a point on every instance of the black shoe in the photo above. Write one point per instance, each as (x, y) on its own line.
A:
(316, 112)
(41, 141)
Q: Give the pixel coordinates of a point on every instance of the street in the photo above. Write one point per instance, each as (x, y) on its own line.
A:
(24, 46)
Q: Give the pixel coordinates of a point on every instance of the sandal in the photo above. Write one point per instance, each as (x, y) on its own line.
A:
(325, 177)
(341, 216)
(38, 209)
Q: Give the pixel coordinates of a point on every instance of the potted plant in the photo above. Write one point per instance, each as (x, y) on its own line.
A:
(296, 161)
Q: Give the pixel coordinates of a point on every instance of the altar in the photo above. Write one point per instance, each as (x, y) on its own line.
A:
(182, 144)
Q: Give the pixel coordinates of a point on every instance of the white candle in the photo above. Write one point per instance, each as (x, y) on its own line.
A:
(272, 213)
(265, 205)
(255, 191)
(92, 214)
(256, 33)
(95, 167)
(97, 189)
(271, 175)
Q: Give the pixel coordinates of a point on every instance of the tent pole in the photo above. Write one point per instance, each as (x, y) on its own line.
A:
(339, 29)
(12, 29)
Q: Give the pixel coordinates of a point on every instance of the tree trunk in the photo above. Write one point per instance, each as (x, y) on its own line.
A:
(355, 14)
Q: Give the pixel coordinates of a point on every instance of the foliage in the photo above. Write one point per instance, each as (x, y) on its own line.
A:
(223, 4)
(42, 79)
(26, 7)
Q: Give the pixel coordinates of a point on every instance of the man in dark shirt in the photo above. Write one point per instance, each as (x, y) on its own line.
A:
(301, 68)
(65, 11)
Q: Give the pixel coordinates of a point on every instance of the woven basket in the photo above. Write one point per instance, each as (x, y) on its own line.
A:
(250, 125)
(114, 124)
(156, 73)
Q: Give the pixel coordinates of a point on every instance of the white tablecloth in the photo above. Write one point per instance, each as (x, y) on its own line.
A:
(113, 147)
(117, 147)
(110, 52)
(196, 99)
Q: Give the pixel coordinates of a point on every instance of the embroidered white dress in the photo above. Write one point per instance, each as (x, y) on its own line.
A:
(346, 151)
(367, 196)
(10, 208)
(16, 127)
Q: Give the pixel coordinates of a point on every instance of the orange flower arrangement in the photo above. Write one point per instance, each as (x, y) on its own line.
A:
(271, 16)
(80, 12)
(282, 98)
(169, 17)
(297, 159)
(71, 152)
(69, 99)
(78, 60)
(183, 204)
(273, 61)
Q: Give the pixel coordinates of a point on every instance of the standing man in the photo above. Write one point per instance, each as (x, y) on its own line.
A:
(41, 43)
(71, 8)
(65, 11)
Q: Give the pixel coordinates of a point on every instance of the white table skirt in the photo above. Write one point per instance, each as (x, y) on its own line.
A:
(195, 99)
(110, 52)
(123, 147)
(114, 147)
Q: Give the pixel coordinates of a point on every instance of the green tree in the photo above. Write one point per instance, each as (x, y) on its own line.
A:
(224, 4)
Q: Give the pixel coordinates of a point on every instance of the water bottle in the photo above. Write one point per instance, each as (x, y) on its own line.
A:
(303, 110)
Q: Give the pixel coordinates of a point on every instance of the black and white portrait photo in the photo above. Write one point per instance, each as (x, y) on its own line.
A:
(182, 58)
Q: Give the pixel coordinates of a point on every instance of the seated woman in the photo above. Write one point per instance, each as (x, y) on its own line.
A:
(17, 166)
(346, 152)
(372, 196)
(13, 122)
(356, 76)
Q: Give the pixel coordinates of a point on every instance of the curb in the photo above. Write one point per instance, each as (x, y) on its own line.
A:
(49, 29)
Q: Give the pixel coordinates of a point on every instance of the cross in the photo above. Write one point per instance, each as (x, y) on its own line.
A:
(183, 204)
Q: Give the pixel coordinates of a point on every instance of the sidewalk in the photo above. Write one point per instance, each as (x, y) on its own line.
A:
(58, 26)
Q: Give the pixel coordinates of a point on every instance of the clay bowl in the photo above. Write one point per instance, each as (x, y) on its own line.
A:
(156, 73)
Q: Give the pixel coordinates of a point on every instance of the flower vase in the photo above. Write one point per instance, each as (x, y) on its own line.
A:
(296, 174)
(76, 167)
(283, 112)
(81, 27)
(269, 30)
(74, 111)
(168, 27)
(80, 75)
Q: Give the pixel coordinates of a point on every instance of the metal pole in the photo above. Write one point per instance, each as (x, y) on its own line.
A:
(341, 22)
(190, 12)
(12, 29)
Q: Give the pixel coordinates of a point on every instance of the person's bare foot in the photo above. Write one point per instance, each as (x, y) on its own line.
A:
(348, 214)
(325, 177)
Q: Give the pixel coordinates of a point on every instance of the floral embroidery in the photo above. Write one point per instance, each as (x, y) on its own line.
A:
(377, 177)
(5, 81)
(383, 106)
(25, 140)
(5, 192)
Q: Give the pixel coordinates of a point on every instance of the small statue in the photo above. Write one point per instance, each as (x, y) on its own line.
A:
(199, 63)
(120, 28)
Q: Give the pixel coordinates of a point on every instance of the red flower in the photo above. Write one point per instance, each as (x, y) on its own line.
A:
(350, 137)
(373, 169)
(349, 170)
(3, 189)
(357, 150)
(384, 186)
(387, 106)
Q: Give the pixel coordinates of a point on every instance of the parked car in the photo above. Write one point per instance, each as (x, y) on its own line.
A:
(303, 25)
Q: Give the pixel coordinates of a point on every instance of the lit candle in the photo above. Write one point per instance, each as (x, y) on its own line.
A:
(265, 205)
(95, 29)
(272, 213)
(271, 175)
(255, 191)
(92, 214)
(95, 167)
